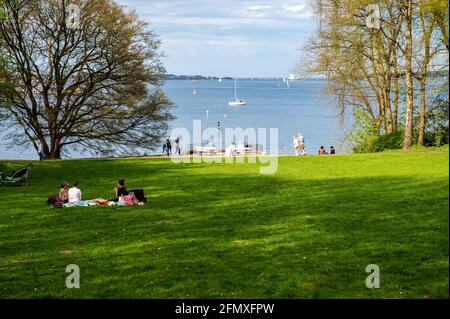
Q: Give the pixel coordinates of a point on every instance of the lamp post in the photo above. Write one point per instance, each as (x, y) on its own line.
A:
(218, 132)
(207, 118)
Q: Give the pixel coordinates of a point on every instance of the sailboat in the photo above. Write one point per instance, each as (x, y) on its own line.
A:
(236, 102)
(220, 79)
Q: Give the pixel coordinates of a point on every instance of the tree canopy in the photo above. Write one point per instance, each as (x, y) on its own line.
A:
(382, 60)
(81, 74)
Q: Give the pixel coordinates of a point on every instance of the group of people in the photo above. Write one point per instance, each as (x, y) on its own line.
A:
(167, 147)
(72, 197)
(300, 148)
(323, 151)
(240, 149)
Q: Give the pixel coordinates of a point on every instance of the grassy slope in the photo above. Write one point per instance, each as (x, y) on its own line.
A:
(223, 230)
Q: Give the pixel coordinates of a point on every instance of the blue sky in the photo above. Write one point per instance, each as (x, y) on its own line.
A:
(228, 37)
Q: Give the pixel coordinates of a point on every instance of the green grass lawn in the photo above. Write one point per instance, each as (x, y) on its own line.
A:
(225, 231)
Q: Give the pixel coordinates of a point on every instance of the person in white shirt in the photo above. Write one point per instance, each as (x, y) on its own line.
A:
(296, 144)
(231, 150)
(74, 193)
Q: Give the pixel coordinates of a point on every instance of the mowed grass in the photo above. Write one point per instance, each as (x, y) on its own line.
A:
(225, 231)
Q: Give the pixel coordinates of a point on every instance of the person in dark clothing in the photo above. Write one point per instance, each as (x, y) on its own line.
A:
(168, 147)
(164, 150)
(40, 151)
(120, 190)
(332, 150)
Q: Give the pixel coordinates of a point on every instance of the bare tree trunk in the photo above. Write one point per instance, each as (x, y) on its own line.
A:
(428, 24)
(409, 83)
(422, 121)
(396, 94)
(384, 84)
(55, 153)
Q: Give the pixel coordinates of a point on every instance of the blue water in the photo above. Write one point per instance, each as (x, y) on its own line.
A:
(302, 108)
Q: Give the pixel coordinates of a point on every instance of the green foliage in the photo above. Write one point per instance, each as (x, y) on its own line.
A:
(309, 231)
(363, 131)
(363, 128)
(437, 130)
(391, 141)
(119, 105)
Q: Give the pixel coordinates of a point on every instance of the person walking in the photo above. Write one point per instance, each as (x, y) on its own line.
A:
(301, 145)
(168, 147)
(164, 150)
(296, 144)
(40, 150)
(177, 146)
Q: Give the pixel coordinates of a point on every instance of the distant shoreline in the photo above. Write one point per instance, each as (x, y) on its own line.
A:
(214, 78)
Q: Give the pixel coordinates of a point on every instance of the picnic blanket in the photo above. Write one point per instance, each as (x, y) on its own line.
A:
(135, 197)
(87, 203)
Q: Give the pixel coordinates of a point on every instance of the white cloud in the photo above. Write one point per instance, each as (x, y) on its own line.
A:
(198, 29)
(258, 7)
(294, 8)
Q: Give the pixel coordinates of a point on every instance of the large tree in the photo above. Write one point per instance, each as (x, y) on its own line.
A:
(86, 74)
(372, 67)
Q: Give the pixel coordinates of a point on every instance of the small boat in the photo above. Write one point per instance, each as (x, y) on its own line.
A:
(220, 79)
(194, 92)
(236, 101)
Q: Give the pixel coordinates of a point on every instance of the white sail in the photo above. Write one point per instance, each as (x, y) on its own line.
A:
(236, 102)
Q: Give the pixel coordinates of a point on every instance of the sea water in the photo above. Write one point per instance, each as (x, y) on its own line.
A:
(293, 108)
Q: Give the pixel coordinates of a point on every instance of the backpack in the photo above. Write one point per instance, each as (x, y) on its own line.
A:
(139, 194)
(54, 201)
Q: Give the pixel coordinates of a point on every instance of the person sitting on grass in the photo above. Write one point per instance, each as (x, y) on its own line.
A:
(120, 190)
(332, 150)
(74, 194)
(322, 151)
(63, 193)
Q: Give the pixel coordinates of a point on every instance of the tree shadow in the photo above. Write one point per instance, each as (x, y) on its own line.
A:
(237, 235)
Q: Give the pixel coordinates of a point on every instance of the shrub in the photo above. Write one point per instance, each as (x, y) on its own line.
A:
(392, 141)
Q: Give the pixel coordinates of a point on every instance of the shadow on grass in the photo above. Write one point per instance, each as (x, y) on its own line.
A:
(237, 235)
